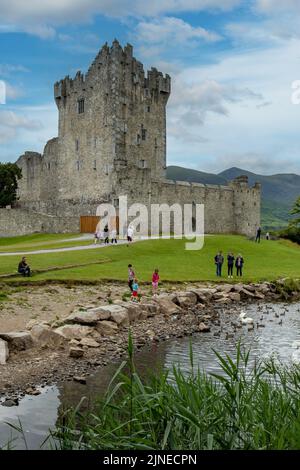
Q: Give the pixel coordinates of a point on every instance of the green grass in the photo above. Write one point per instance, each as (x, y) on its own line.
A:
(241, 408)
(266, 261)
(39, 242)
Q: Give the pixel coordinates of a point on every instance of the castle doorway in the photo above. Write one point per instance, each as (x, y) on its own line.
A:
(88, 223)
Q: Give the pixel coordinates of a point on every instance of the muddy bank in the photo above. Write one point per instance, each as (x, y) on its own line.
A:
(176, 312)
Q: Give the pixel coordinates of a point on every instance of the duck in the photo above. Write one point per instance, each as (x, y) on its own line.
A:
(245, 320)
(280, 322)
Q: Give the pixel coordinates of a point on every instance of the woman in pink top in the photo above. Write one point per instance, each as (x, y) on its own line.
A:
(155, 279)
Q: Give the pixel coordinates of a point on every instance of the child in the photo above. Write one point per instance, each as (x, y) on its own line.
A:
(135, 289)
(96, 238)
(131, 277)
(155, 279)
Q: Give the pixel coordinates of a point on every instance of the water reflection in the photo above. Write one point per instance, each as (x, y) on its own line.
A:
(279, 328)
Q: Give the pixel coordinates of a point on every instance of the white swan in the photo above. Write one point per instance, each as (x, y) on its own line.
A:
(245, 320)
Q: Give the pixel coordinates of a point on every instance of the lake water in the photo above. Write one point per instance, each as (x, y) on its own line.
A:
(39, 414)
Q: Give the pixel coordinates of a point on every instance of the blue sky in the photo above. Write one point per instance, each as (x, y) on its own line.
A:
(232, 64)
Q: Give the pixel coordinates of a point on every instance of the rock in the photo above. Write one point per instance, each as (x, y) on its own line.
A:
(74, 331)
(4, 352)
(107, 328)
(218, 296)
(223, 300)
(89, 342)
(149, 309)
(203, 295)
(167, 307)
(244, 293)
(234, 296)
(76, 352)
(150, 334)
(90, 317)
(203, 328)
(249, 288)
(118, 314)
(259, 295)
(18, 340)
(134, 311)
(31, 324)
(46, 336)
(10, 402)
(81, 380)
(186, 299)
(226, 288)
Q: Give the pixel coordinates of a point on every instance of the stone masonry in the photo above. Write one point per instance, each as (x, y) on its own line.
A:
(112, 142)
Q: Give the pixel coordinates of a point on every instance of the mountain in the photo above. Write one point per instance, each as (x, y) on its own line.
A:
(279, 192)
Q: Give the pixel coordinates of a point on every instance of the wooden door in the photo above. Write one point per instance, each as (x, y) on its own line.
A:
(88, 223)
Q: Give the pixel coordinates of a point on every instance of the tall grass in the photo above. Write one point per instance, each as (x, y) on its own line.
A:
(239, 408)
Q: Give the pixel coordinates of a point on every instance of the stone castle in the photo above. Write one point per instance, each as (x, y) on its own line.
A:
(112, 142)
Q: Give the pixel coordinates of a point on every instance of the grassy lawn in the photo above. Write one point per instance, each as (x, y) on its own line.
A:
(39, 242)
(265, 261)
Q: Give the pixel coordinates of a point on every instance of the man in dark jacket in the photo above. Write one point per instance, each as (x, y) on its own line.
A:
(230, 262)
(219, 260)
(258, 235)
(23, 268)
(239, 263)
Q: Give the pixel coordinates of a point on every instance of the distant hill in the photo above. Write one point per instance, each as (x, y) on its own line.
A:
(278, 191)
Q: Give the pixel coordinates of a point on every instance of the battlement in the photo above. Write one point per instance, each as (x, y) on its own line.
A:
(111, 63)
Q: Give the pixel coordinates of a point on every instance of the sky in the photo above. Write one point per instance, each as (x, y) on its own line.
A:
(232, 62)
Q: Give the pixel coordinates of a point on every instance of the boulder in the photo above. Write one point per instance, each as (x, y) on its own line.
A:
(226, 288)
(118, 314)
(81, 380)
(89, 342)
(218, 295)
(259, 295)
(203, 295)
(4, 353)
(18, 340)
(74, 331)
(107, 328)
(203, 328)
(223, 300)
(90, 317)
(167, 307)
(244, 293)
(150, 309)
(249, 288)
(234, 296)
(134, 311)
(186, 299)
(45, 336)
(76, 353)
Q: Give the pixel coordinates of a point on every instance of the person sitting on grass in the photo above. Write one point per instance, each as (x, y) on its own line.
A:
(135, 291)
(23, 268)
(155, 280)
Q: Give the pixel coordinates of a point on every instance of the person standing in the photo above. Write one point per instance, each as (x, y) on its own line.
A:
(239, 263)
(129, 235)
(135, 291)
(106, 235)
(258, 235)
(155, 280)
(219, 260)
(24, 268)
(267, 236)
(114, 236)
(131, 276)
(230, 263)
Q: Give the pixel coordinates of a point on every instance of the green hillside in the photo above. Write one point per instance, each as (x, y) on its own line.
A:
(278, 191)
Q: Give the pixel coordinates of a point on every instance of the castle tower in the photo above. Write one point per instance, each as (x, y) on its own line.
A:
(112, 125)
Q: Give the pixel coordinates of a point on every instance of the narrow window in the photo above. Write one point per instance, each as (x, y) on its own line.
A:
(148, 109)
(95, 165)
(77, 145)
(143, 164)
(78, 165)
(80, 104)
(49, 166)
(138, 139)
(106, 169)
(116, 203)
(144, 133)
(95, 142)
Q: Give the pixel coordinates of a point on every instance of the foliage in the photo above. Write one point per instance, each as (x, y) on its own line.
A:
(292, 233)
(295, 222)
(239, 408)
(10, 174)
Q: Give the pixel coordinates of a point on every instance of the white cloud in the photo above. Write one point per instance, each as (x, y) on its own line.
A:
(277, 6)
(7, 70)
(233, 122)
(172, 31)
(39, 17)
(11, 123)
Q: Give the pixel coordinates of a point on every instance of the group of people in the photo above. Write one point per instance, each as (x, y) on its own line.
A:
(106, 235)
(134, 286)
(232, 261)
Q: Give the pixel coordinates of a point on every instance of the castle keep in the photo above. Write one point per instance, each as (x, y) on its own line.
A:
(112, 142)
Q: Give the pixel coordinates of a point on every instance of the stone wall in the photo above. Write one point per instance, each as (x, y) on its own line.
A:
(15, 222)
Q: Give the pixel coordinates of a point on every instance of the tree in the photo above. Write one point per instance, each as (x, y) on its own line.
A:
(295, 222)
(10, 174)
